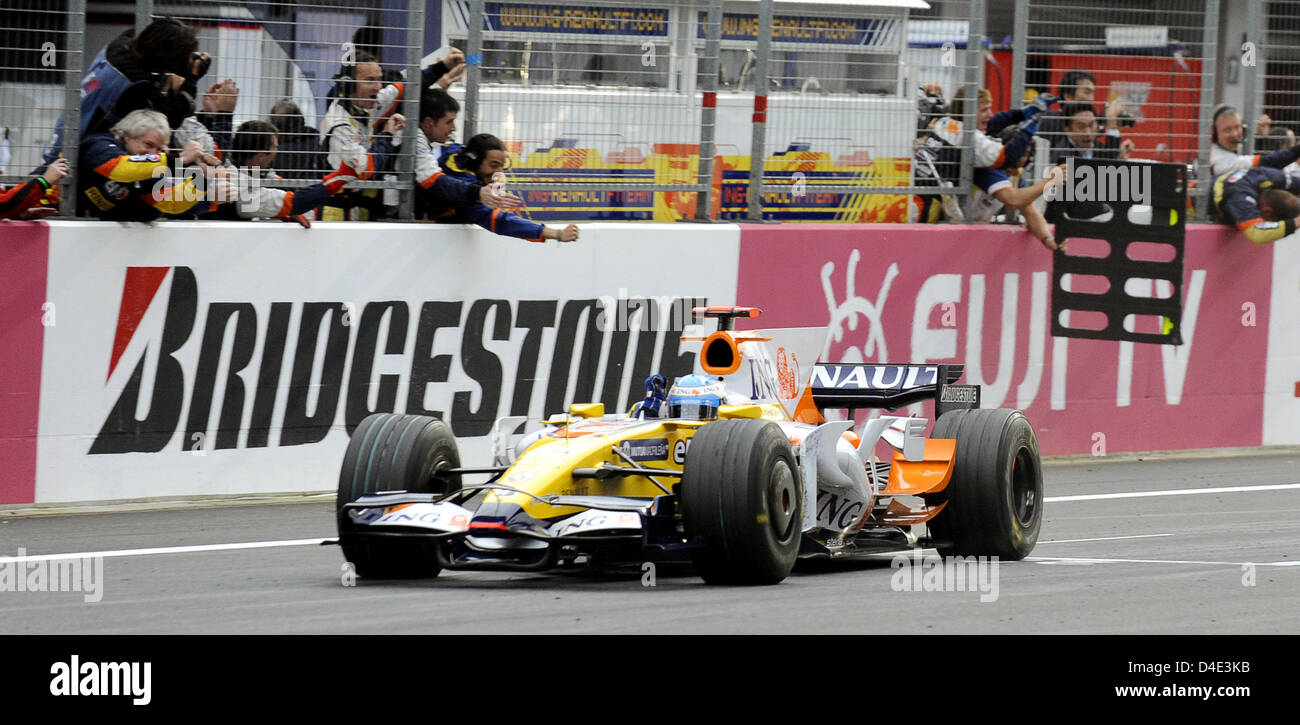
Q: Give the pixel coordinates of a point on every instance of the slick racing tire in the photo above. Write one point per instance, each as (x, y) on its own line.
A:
(741, 502)
(994, 501)
(390, 452)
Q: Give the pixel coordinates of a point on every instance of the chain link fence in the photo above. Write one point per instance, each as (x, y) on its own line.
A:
(1271, 62)
(839, 95)
(40, 69)
(311, 69)
(604, 104)
(598, 104)
(686, 109)
(270, 73)
(1136, 81)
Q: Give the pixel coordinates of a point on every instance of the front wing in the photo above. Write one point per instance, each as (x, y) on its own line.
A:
(610, 529)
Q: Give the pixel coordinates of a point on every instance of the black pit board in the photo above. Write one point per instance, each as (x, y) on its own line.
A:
(1168, 194)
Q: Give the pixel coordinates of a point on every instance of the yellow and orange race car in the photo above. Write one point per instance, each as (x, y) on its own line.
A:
(735, 469)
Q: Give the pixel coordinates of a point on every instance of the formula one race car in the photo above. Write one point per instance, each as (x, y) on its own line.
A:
(736, 469)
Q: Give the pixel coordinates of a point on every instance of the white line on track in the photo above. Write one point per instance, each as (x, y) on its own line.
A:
(1085, 560)
(317, 542)
(1052, 499)
(1172, 492)
(1102, 538)
(166, 550)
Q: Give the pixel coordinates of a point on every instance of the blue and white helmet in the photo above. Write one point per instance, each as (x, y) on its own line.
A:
(696, 397)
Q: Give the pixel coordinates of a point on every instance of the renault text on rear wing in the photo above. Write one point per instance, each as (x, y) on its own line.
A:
(867, 385)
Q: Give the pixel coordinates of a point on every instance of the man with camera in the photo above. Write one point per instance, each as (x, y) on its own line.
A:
(1080, 139)
(1080, 87)
(156, 70)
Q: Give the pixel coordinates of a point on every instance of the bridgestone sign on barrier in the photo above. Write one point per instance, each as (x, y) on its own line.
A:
(227, 359)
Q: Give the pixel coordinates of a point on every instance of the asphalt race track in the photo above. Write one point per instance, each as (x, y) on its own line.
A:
(1162, 545)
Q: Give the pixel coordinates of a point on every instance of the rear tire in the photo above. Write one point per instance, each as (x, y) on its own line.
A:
(995, 498)
(390, 452)
(741, 499)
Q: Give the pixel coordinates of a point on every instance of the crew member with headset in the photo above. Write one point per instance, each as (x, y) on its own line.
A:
(363, 130)
(1227, 132)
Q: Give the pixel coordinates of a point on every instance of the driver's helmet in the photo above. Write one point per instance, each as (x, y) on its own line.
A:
(696, 397)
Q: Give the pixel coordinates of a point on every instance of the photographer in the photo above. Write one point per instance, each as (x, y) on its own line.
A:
(1080, 87)
(936, 160)
(156, 70)
(938, 154)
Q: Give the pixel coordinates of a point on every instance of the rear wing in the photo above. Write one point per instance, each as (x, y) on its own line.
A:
(869, 385)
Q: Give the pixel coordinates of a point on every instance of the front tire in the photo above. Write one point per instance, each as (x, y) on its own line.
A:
(390, 452)
(995, 498)
(741, 500)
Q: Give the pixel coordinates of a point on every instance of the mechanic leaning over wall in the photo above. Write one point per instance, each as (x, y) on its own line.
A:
(483, 160)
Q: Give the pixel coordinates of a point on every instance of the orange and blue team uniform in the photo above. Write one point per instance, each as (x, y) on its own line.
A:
(119, 186)
(435, 189)
(15, 200)
(941, 146)
(448, 199)
(1236, 198)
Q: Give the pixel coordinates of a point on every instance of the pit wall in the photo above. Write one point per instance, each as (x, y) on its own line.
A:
(199, 359)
